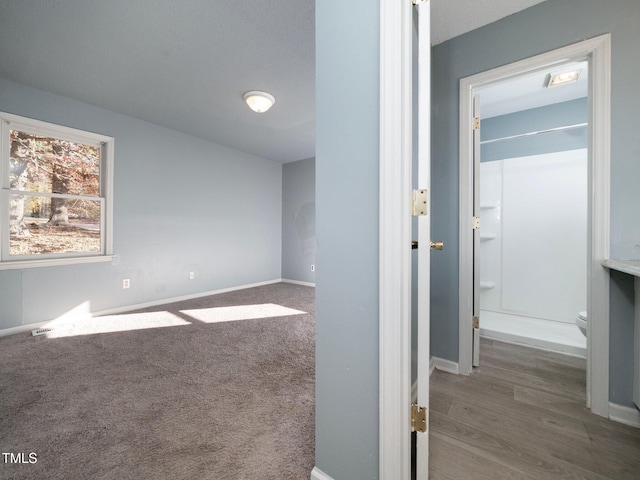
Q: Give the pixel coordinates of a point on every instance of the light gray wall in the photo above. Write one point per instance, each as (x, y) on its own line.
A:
(181, 204)
(546, 26)
(347, 116)
(299, 220)
(562, 114)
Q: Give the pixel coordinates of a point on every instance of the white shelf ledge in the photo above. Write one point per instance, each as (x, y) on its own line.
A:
(632, 267)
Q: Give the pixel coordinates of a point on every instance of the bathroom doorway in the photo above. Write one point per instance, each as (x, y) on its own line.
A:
(596, 53)
(533, 177)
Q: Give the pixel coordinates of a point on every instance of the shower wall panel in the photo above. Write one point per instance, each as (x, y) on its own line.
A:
(540, 227)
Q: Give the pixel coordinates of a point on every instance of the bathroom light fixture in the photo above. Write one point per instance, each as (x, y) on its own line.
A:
(259, 102)
(557, 79)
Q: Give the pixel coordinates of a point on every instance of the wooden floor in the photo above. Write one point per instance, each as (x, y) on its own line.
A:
(522, 415)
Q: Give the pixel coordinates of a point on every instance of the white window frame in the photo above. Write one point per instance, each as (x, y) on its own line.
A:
(8, 122)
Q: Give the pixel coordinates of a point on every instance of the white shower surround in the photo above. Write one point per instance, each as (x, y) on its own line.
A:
(534, 235)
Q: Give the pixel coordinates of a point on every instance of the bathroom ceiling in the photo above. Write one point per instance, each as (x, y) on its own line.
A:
(185, 65)
(529, 91)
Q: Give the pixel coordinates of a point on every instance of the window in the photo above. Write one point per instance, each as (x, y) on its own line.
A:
(56, 202)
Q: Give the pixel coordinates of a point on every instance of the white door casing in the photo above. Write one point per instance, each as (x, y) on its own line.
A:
(395, 239)
(598, 52)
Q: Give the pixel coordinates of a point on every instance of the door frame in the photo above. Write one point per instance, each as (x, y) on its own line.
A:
(395, 239)
(597, 51)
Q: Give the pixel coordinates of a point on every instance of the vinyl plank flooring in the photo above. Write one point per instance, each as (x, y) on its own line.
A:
(506, 350)
(525, 426)
(439, 402)
(574, 390)
(559, 448)
(553, 402)
(522, 415)
(510, 410)
(512, 456)
(571, 377)
(449, 460)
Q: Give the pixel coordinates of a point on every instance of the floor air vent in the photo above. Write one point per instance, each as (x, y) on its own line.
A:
(40, 331)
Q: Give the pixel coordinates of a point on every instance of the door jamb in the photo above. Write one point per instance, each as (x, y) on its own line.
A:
(598, 52)
(394, 239)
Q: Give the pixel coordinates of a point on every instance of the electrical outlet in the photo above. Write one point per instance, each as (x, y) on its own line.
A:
(192, 275)
(126, 283)
(313, 268)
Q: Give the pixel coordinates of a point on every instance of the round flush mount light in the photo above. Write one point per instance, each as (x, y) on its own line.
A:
(258, 101)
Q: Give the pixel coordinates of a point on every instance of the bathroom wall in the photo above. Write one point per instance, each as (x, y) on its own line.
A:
(562, 114)
(533, 248)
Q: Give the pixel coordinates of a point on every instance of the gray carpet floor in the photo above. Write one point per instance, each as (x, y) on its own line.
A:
(220, 387)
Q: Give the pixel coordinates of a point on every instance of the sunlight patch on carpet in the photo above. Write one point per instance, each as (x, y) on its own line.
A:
(119, 323)
(240, 312)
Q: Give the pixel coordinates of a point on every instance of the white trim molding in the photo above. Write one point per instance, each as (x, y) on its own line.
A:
(598, 52)
(446, 365)
(317, 474)
(627, 415)
(298, 282)
(394, 237)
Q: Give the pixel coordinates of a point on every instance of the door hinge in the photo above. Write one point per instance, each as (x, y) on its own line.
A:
(419, 203)
(418, 2)
(476, 322)
(476, 223)
(476, 123)
(419, 418)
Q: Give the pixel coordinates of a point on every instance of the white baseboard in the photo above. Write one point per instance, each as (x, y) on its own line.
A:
(317, 474)
(21, 329)
(67, 319)
(63, 320)
(627, 415)
(298, 282)
(446, 365)
(164, 301)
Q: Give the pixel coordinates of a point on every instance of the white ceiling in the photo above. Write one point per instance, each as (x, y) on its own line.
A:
(528, 91)
(450, 18)
(185, 65)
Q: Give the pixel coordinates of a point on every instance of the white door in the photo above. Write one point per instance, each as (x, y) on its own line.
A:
(424, 231)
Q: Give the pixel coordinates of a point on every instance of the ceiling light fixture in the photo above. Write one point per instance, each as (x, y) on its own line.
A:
(259, 102)
(557, 79)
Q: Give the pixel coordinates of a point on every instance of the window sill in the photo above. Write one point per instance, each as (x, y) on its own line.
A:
(54, 262)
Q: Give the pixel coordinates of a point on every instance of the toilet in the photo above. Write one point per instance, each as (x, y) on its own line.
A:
(581, 322)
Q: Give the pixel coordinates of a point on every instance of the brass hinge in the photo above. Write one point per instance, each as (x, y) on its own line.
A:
(418, 419)
(476, 322)
(419, 203)
(476, 123)
(476, 223)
